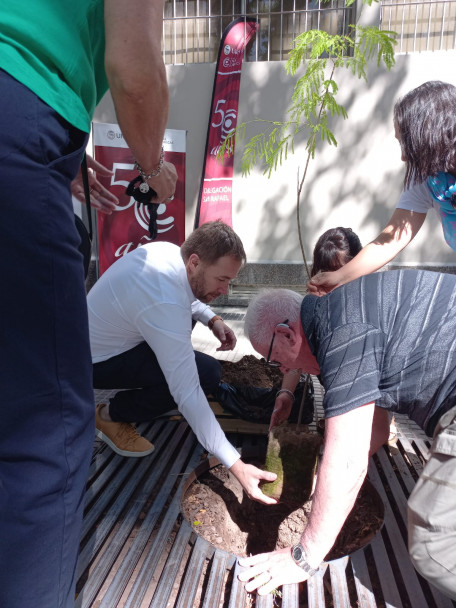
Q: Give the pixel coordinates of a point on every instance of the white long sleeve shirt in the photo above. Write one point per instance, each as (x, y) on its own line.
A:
(146, 296)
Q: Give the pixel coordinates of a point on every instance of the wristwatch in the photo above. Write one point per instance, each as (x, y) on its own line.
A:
(300, 559)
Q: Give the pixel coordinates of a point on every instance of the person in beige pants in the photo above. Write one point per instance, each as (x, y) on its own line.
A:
(432, 511)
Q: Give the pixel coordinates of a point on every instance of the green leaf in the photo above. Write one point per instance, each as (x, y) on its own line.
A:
(314, 97)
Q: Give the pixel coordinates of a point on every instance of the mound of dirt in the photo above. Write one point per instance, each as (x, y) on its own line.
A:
(250, 371)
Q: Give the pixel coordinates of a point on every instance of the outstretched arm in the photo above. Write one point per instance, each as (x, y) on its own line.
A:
(284, 399)
(339, 479)
(138, 84)
(250, 477)
(397, 234)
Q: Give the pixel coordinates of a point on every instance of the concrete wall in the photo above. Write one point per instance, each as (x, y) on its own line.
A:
(355, 184)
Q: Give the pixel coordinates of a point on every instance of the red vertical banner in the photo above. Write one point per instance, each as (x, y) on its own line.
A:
(127, 227)
(215, 197)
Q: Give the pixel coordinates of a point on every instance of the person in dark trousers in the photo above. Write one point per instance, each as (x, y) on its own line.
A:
(384, 342)
(56, 61)
(140, 317)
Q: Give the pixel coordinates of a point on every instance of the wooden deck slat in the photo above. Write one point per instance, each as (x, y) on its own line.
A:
(399, 496)
(169, 574)
(290, 595)
(131, 559)
(408, 573)
(315, 589)
(189, 586)
(422, 448)
(114, 476)
(415, 461)
(109, 520)
(339, 587)
(238, 594)
(401, 500)
(441, 601)
(156, 549)
(99, 458)
(386, 576)
(120, 536)
(404, 471)
(363, 583)
(216, 581)
(264, 601)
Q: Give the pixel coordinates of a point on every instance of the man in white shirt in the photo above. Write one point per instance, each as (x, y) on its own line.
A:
(140, 319)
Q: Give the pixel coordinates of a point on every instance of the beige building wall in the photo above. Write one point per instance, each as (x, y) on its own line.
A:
(355, 184)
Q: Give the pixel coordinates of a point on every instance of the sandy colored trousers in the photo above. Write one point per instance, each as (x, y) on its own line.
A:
(432, 511)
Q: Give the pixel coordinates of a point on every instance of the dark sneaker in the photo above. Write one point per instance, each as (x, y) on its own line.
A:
(122, 437)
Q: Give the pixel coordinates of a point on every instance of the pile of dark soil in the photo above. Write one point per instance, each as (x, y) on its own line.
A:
(251, 371)
(248, 390)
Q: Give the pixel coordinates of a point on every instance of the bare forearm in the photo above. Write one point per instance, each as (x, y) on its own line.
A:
(290, 379)
(371, 258)
(335, 494)
(380, 430)
(285, 398)
(339, 478)
(137, 75)
(142, 119)
(397, 234)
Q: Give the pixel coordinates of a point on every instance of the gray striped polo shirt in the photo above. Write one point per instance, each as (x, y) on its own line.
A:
(388, 337)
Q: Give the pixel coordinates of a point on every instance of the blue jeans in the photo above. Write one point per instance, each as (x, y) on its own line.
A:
(47, 410)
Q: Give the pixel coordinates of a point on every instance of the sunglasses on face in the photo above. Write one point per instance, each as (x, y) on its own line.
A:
(268, 359)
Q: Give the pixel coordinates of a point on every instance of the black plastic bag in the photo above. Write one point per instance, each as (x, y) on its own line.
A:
(256, 404)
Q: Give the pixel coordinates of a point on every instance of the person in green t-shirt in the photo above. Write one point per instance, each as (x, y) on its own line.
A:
(57, 59)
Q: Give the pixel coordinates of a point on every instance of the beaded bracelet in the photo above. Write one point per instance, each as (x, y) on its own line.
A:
(155, 173)
(285, 390)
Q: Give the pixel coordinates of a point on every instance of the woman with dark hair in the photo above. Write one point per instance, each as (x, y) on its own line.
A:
(425, 126)
(334, 249)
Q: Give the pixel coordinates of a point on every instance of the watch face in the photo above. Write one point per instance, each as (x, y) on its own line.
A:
(297, 553)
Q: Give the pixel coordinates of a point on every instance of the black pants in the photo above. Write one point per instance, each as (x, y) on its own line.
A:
(138, 369)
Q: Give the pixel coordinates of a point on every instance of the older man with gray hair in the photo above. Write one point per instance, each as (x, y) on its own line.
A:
(384, 342)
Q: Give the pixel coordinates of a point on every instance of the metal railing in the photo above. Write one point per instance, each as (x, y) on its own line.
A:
(421, 25)
(192, 29)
